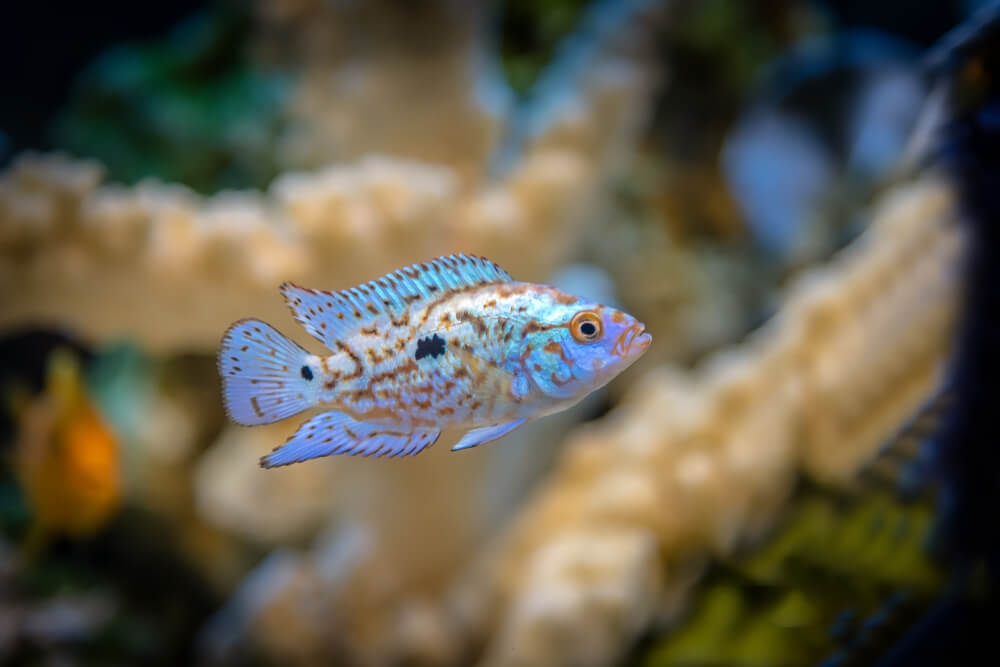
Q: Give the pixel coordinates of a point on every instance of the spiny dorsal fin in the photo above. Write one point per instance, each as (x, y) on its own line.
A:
(335, 315)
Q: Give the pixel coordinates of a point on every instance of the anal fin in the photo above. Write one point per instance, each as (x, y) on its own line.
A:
(478, 436)
(336, 433)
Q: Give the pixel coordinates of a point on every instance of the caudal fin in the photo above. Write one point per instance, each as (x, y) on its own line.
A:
(265, 376)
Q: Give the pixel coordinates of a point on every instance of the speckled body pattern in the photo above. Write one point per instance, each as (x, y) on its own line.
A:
(452, 342)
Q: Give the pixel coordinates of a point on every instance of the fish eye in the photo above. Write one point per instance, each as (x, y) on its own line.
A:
(586, 326)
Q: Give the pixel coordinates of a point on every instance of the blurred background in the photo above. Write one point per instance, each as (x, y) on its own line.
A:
(794, 196)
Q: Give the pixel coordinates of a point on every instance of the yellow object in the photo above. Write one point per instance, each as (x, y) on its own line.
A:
(66, 458)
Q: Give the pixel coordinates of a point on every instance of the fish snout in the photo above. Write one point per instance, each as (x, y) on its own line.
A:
(633, 341)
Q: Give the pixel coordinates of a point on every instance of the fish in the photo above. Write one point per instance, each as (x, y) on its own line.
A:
(452, 342)
(66, 457)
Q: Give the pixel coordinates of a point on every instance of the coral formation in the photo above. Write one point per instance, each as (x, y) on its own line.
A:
(700, 464)
(169, 268)
(689, 465)
(403, 158)
(164, 266)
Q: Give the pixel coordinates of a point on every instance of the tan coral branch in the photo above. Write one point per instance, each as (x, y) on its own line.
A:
(694, 464)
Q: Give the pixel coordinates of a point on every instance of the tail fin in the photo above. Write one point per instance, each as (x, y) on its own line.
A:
(265, 376)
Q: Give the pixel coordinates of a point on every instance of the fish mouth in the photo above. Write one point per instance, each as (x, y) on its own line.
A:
(634, 341)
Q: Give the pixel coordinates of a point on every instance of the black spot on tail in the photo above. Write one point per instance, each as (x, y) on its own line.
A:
(433, 347)
(307, 373)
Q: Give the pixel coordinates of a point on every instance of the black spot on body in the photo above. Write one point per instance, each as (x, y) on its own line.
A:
(432, 346)
(307, 373)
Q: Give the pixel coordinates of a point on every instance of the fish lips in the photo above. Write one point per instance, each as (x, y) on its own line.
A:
(633, 342)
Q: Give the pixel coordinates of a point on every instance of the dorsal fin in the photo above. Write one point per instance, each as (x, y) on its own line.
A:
(334, 315)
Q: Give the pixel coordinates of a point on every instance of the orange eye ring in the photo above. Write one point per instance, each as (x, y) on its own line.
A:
(586, 327)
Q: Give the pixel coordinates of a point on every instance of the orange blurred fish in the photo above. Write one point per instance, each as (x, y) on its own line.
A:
(65, 457)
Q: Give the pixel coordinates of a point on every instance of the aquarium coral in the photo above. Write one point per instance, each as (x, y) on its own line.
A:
(797, 264)
(691, 465)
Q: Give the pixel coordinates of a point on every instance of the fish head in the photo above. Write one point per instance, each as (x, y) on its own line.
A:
(573, 348)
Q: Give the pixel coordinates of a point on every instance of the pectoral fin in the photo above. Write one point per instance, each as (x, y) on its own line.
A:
(478, 436)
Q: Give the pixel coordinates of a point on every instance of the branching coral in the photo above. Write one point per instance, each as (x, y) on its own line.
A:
(166, 267)
(690, 465)
(170, 269)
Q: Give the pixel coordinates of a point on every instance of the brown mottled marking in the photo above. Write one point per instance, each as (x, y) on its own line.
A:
(340, 316)
(403, 319)
(559, 383)
(446, 411)
(401, 344)
(423, 405)
(411, 298)
(253, 381)
(617, 316)
(553, 347)
(360, 394)
(370, 331)
(237, 369)
(522, 309)
(565, 299)
(373, 356)
(244, 348)
(477, 322)
(257, 329)
(538, 367)
(322, 325)
(433, 288)
(359, 368)
(460, 373)
(256, 408)
(492, 303)
(433, 305)
(534, 326)
(246, 333)
(474, 406)
(351, 434)
(445, 318)
(371, 309)
(328, 385)
(357, 314)
(409, 367)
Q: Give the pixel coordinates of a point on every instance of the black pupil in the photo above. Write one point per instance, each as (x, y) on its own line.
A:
(307, 373)
(588, 329)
